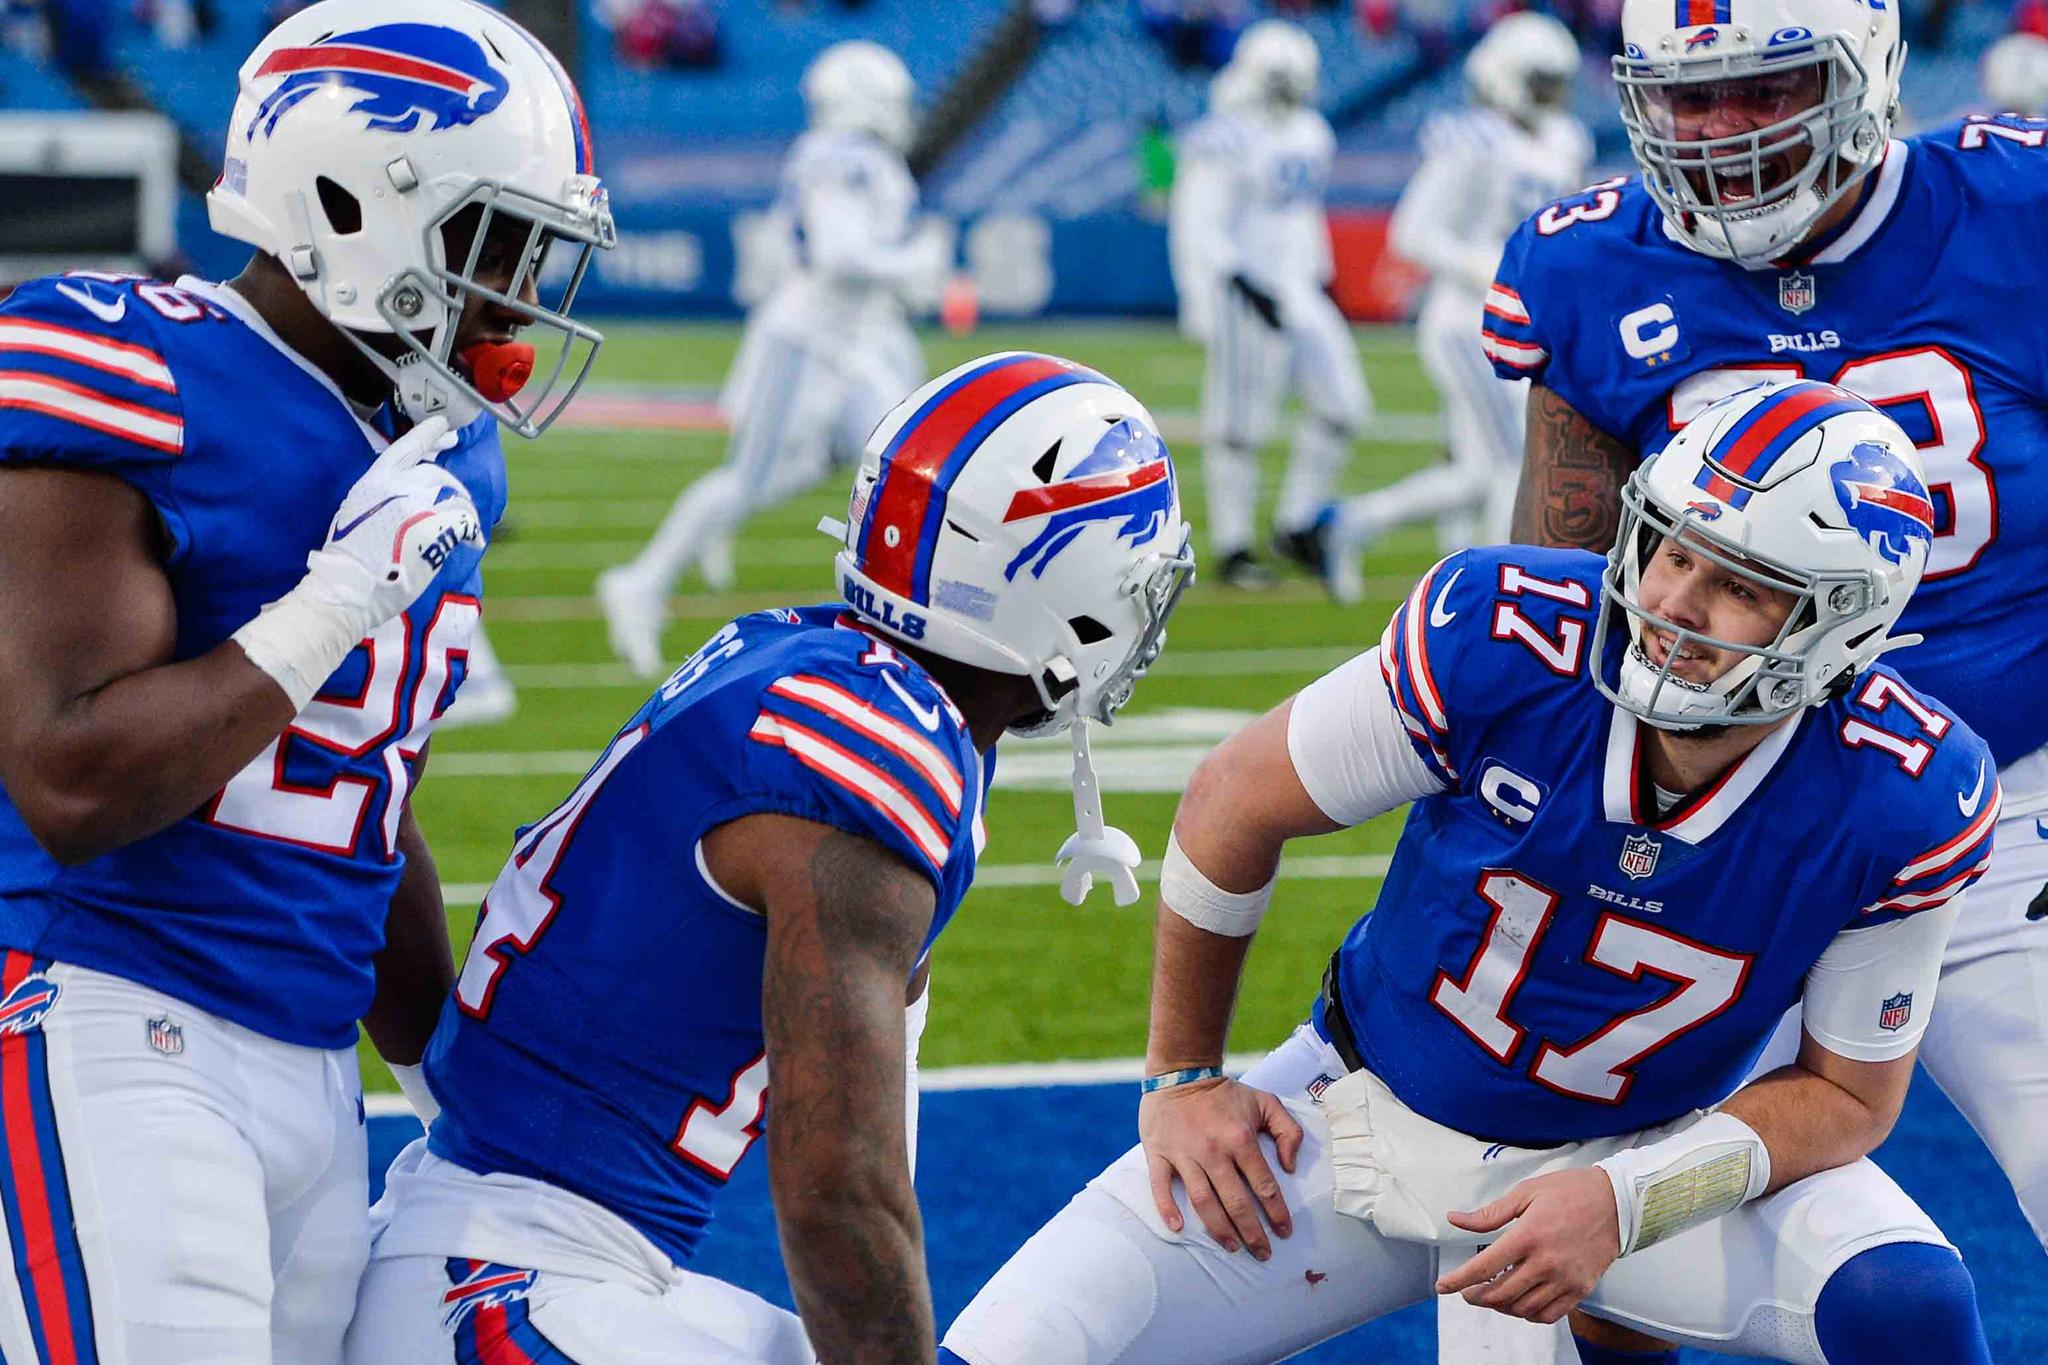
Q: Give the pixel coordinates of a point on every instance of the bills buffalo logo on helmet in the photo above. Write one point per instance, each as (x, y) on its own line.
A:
(400, 74)
(1706, 37)
(27, 1003)
(1126, 478)
(1885, 501)
(1705, 511)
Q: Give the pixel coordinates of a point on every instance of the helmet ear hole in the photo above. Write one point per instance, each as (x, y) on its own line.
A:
(1088, 630)
(344, 211)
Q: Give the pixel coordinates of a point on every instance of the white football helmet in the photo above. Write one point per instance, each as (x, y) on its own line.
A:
(1278, 63)
(860, 87)
(2015, 74)
(1524, 67)
(1801, 488)
(361, 130)
(1021, 514)
(1811, 79)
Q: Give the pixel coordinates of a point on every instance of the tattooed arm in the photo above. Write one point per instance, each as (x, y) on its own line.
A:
(1571, 478)
(846, 918)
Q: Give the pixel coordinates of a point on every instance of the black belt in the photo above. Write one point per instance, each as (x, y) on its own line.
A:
(1346, 1044)
(1334, 1022)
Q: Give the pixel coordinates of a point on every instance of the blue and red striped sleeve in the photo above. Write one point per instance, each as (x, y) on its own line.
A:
(82, 381)
(1413, 655)
(1950, 864)
(887, 762)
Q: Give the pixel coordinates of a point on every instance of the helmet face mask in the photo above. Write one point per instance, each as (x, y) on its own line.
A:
(363, 132)
(507, 240)
(1752, 194)
(1277, 65)
(1750, 131)
(1800, 490)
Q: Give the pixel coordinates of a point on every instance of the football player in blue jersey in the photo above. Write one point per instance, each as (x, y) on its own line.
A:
(1628, 853)
(240, 535)
(738, 901)
(1778, 229)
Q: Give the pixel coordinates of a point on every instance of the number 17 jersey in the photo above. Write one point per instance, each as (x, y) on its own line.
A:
(1925, 301)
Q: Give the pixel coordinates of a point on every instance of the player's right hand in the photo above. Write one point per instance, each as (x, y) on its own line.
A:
(395, 530)
(1262, 303)
(1207, 1135)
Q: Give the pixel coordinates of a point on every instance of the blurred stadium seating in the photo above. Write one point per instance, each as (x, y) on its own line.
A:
(1066, 143)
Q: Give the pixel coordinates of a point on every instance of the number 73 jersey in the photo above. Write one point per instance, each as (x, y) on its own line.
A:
(1555, 955)
(1925, 302)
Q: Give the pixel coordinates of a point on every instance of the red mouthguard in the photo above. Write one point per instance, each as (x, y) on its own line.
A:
(498, 369)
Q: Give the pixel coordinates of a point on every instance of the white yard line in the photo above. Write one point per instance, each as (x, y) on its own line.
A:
(514, 607)
(1328, 867)
(986, 1076)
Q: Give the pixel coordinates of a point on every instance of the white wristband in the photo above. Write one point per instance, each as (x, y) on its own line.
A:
(1696, 1174)
(1202, 903)
(413, 1081)
(299, 640)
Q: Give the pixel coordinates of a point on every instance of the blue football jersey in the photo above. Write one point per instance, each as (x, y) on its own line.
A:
(1922, 303)
(1550, 958)
(265, 905)
(606, 1033)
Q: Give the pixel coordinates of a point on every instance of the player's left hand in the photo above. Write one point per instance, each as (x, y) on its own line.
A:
(1562, 1234)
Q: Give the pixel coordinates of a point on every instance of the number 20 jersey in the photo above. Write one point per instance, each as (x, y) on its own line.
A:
(605, 1036)
(265, 905)
(1926, 302)
(1551, 958)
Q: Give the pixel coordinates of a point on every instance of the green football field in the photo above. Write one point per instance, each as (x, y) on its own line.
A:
(1019, 975)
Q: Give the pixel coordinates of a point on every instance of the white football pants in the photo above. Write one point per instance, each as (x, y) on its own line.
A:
(178, 1189)
(1471, 497)
(1248, 371)
(498, 1268)
(1106, 1282)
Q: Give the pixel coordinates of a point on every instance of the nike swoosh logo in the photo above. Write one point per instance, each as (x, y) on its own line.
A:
(1976, 798)
(1437, 615)
(105, 312)
(341, 531)
(927, 716)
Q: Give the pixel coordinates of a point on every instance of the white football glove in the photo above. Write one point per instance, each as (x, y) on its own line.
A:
(389, 539)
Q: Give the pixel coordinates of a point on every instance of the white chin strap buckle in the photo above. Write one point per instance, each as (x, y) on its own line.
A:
(423, 392)
(1094, 848)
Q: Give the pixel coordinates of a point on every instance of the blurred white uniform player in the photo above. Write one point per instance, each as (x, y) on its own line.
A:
(1251, 256)
(2015, 75)
(824, 357)
(1484, 169)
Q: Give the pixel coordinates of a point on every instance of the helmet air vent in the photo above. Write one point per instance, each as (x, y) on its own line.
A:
(1088, 630)
(344, 212)
(1042, 467)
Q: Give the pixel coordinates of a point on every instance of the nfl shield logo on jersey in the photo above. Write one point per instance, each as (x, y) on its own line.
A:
(1895, 1011)
(1639, 855)
(1796, 293)
(167, 1037)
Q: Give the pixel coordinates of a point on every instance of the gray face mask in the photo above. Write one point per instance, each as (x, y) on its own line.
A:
(550, 246)
(1749, 196)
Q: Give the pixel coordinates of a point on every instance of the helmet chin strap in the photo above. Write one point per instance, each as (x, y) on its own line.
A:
(1094, 848)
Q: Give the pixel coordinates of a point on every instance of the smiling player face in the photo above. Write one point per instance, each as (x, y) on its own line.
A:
(1703, 111)
(1695, 592)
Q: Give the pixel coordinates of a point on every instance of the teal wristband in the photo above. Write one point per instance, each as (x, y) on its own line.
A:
(1166, 1080)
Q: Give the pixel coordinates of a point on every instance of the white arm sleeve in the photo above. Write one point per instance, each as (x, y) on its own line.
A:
(914, 1017)
(1848, 989)
(1349, 748)
(1431, 222)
